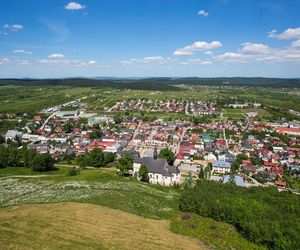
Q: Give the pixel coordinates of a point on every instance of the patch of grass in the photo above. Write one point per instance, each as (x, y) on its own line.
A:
(92, 186)
(85, 226)
(217, 234)
(19, 171)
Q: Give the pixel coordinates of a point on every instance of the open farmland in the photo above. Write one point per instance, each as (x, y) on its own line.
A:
(34, 98)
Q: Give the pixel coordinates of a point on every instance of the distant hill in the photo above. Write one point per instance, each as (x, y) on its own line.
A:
(159, 83)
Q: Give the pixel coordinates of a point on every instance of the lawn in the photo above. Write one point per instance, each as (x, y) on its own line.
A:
(85, 226)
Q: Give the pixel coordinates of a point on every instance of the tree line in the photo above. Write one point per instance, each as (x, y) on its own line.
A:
(13, 157)
(261, 215)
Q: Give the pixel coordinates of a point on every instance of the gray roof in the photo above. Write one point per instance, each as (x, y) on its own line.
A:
(158, 166)
(12, 133)
(237, 179)
(221, 164)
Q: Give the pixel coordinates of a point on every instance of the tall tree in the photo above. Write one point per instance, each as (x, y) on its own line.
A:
(143, 173)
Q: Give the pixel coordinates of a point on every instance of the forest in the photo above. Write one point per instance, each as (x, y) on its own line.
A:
(156, 83)
(262, 215)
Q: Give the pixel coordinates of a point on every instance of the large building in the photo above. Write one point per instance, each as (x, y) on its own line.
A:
(159, 171)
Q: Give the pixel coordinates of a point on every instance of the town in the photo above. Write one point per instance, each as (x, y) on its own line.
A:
(150, 124)
(249, 152)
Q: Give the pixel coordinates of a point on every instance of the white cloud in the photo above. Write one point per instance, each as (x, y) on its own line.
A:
(196, 61)
(56, 55)
(209, 53)
(290, 33)
(147, 60)
(22, 51)
(13, 27)
(202, 13)
(197, 46)
(3, 33)
(232, 57)
(23, 62)
(4, 61)
(72, 63)
(74, 6)
(255, 48)
(253, 52)
(92, 62)
(296, 43)
(153, 59)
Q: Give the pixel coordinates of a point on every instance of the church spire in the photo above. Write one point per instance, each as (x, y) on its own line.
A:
(155, 154)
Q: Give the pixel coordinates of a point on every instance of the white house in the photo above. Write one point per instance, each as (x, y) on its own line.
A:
(116, 147)
(210, 157)
(159, 171)
(12, 134)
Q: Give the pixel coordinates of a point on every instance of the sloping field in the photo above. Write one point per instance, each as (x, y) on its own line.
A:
(85, 226)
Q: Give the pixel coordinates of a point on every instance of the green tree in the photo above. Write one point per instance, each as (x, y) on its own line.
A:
(143, 173)
(43, 163)
(96, 134)
(201, 174)
(124, 164)
(82, 161)
(168, 155)
(109, 157)
(66, 157)
(96, 158)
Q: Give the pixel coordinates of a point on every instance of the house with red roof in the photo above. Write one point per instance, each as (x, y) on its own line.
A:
(270, 164)
(288, 131)
(277, 170)
(280, 183)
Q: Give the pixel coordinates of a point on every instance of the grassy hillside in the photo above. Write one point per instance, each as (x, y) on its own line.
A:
(19, 186)
(85, 226)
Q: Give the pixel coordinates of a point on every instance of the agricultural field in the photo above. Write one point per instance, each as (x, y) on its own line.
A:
(29, 99)
(32, 99)
(85, 226)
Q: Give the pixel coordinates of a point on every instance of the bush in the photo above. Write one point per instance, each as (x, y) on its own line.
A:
(72, 172)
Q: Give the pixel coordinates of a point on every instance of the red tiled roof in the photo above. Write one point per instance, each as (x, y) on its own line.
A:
(284, 130)
(276, 170)
(246, 162)
(280, 183)
(269, 164)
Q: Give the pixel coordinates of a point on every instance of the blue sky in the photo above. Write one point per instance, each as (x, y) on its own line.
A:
(142, 38)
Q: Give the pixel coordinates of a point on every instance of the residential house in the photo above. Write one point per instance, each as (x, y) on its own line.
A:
(221, 167)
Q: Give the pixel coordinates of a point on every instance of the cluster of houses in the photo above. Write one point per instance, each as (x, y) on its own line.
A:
(271, 149)
(195, 107)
